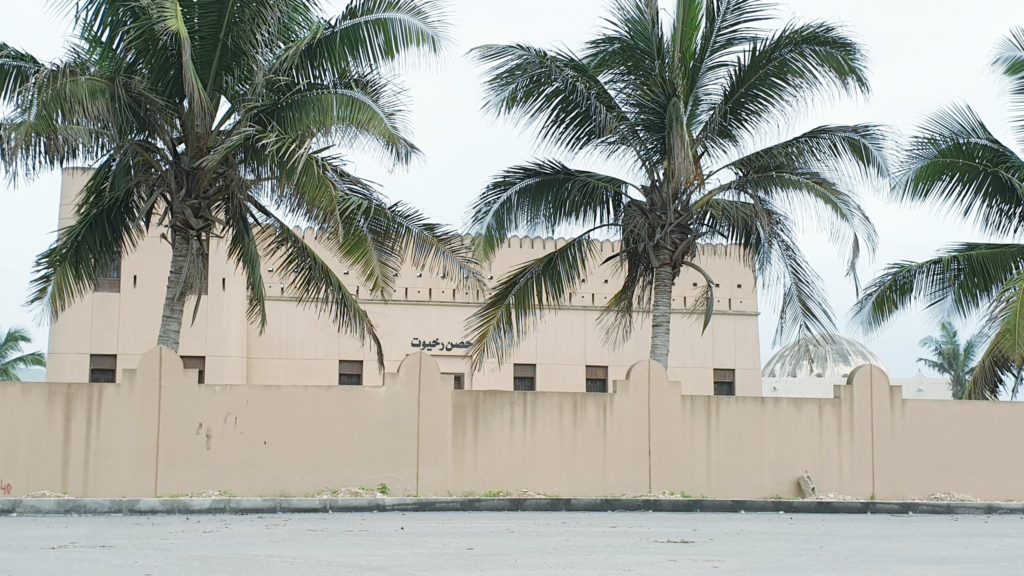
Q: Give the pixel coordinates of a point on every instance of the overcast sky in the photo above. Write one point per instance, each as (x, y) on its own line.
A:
(925, 54)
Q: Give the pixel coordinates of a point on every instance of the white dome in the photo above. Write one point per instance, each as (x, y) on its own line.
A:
(833, 357)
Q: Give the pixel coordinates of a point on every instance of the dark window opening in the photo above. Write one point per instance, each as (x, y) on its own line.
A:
(460, 380)
(196, 363)
(524, 378)
(350, 373)
(103, 368)
(108, 279)
(725, 382)
(597, 379)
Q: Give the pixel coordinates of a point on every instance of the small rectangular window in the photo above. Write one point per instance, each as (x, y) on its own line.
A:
(725, 382)
(350, 373)
(524, 378)
(196, 363)
(108, 279)
(460, 380)
(597, 379)
(103, 368)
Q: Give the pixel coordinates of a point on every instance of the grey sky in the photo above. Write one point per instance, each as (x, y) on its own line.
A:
(925, 54)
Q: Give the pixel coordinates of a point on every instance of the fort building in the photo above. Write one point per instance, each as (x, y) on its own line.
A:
(109, 330)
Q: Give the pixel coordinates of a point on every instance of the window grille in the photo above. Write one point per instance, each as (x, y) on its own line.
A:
(109, 278)
(103, 368)
(597, 379)
(725, 382)
(524, 378)
(350, 373)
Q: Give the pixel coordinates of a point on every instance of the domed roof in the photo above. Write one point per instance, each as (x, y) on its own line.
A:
(832, 357)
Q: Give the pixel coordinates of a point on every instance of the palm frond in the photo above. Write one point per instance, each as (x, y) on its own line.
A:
(13, 342)
(631, 303)
(397, 232)
(994, 371)
(960, 281)
(64, 115)
(816, 175)
(108, 224)
(313, 281)
(957, 164)
(553, 91)
(766, 236)
(243, 249)
(729, 27)
(11, 357)
(542, 197)
(17, 69)
(524, 295)
(368, 35)
(231, 40)
(951, 358)
(1009, 61)
(634, 57)
(706, 300)
(361, 113)
(933, 365)
(779, 76)
(856, 151)
(168, 21)
(1006, 313)
(805, 310)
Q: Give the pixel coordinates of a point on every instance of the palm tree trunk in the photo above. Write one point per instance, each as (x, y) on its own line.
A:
(661, 325)
(177, 292)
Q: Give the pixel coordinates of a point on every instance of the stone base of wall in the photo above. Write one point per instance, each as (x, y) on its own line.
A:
(198, 506)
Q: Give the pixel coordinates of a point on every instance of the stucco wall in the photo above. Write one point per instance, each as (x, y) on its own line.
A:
(161, 433)
(916, 388)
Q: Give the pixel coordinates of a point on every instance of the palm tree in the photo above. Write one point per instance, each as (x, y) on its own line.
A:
(678, 101)
(12, 359)
(955, 163)
(951, 358)
(218, 119)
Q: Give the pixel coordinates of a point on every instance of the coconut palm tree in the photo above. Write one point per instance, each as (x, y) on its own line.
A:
(951, 358)
(954, 162)
(12, 357)
(217, 119)
(679, 101)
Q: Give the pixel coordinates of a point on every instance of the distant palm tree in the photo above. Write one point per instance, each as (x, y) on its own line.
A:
(952, 359)
(217, 119)
(680, 100)
(12, 358)
(957, 164)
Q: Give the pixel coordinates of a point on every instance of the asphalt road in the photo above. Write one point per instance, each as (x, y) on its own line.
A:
(512, 543)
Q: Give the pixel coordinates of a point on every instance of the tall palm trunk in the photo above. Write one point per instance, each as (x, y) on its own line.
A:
(177, 293)
(661, 325)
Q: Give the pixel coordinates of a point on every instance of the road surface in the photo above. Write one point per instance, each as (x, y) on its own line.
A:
(512, 543)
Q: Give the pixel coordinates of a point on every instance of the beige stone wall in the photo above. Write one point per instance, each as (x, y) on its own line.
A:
(160, 433)
(916, 388)
(300, 347)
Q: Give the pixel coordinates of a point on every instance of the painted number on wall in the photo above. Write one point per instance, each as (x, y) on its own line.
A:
(5, 488)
